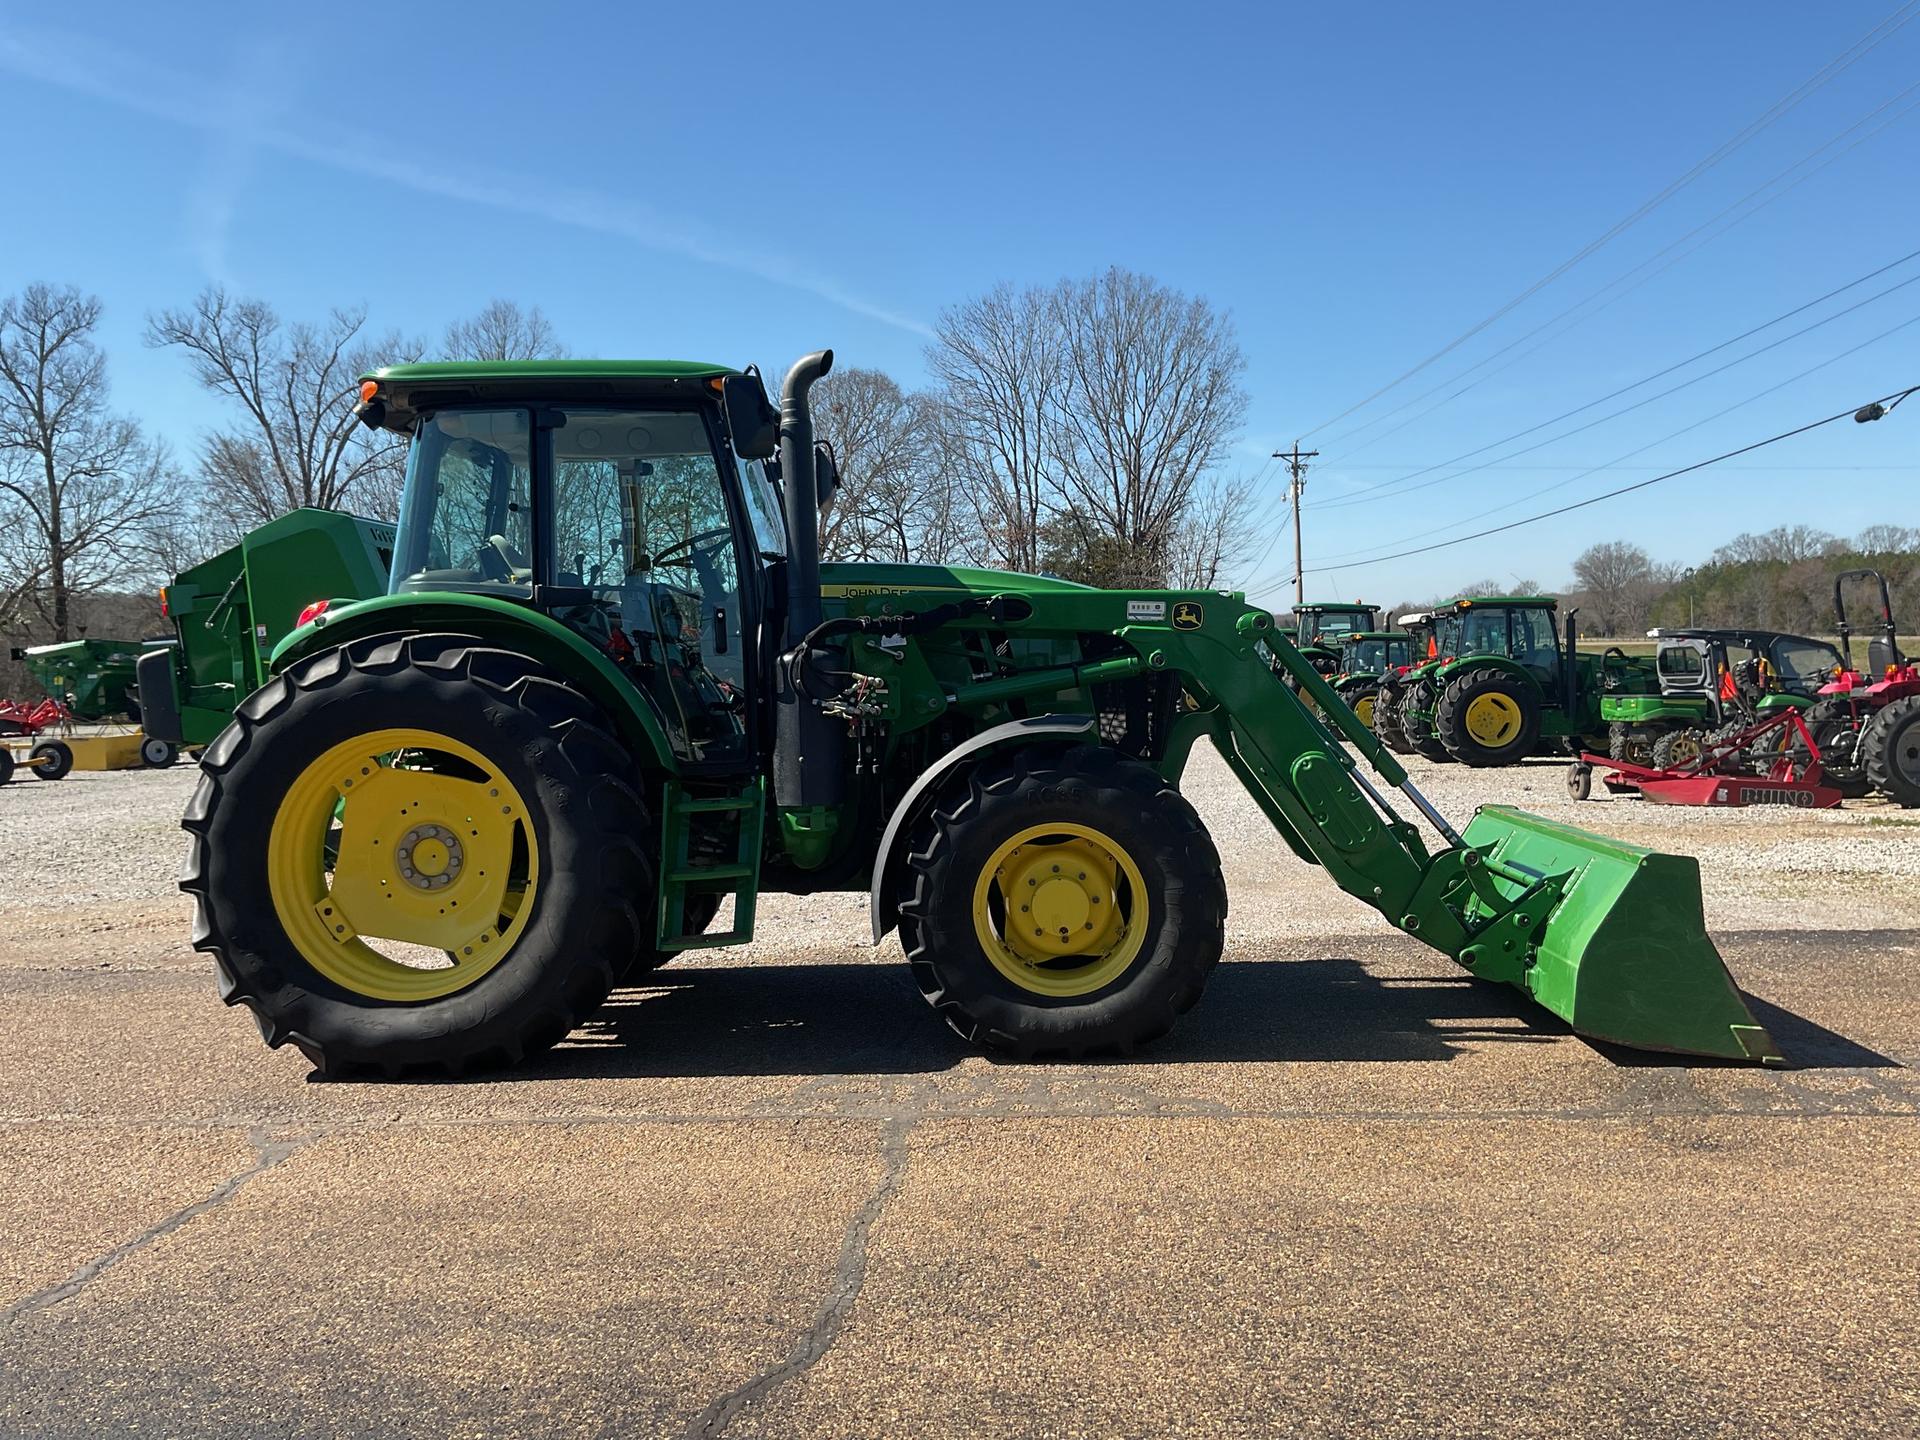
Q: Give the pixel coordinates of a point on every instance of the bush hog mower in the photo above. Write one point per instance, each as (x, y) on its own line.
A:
(613, 691)
(1721, 771)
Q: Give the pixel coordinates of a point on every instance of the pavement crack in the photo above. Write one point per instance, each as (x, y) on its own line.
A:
(267, 1154)
(848, 1277)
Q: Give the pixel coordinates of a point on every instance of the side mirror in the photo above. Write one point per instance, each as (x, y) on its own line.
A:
(751, 419)
(826, 474)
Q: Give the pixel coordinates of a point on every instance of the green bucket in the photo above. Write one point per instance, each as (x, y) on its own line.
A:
(1623, 953)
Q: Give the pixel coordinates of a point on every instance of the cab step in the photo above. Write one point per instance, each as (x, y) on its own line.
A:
(689, 819)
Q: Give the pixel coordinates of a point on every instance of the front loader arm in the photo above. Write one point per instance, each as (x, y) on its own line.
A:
(1609, 937)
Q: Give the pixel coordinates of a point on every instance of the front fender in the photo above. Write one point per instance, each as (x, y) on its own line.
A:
(506, 623)
(883, 907)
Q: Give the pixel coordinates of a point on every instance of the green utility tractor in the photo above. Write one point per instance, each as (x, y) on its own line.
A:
(1506, 682)
(613, 693)
(229, 612)
(1711, 683)
(1366, 657)
(1320, 631)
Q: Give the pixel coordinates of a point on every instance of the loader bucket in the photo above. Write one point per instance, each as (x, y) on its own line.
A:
(1624, 953)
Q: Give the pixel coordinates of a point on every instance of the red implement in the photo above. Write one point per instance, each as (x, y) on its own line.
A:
(1723, 774)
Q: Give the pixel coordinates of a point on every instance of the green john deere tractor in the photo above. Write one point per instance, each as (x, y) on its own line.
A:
(612, 691)
(1506, 682)
(1712, 683)
(1366, 657)
(1320, 630)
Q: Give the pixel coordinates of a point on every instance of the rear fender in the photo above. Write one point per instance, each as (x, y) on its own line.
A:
(883, 900)
(506, 623)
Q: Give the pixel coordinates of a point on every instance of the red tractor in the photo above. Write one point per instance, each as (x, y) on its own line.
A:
(1867, 723)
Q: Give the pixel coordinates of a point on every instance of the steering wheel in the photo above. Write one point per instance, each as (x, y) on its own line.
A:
(692, 545)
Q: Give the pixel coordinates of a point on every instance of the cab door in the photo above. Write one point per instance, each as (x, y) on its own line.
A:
(644, 521)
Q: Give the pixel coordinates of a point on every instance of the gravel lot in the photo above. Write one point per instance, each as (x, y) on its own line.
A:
(1353, 1193)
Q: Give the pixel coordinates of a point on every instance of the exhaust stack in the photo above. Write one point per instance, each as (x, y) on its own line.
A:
(808, 766)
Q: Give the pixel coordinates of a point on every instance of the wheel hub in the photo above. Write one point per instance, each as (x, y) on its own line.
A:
(1060, 910)
(429, 857)
(1492, 719)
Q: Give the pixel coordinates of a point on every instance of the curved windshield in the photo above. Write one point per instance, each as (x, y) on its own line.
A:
(1800, 662)
(1366, 656)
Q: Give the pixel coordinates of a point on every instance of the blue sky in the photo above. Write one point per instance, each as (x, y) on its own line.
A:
(1356, 185)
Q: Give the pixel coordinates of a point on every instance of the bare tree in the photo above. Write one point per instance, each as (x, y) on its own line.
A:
(1786, 543)
(1151, 400)
(1888, 540)
(1619, 580)
(1212, 537)
(78, 486)
(503, 331)
(896, 501)
(999, 362)
(298, 442)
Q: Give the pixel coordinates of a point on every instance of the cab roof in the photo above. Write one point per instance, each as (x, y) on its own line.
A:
(1316, 607)
(406, 390)
(1532, 602)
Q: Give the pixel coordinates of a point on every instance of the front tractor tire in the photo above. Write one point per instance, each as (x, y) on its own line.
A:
(418, 855)
(1488, 717)
(1062, 902)
(1417, 720)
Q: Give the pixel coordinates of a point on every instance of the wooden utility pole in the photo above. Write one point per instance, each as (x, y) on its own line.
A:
(1296, 459)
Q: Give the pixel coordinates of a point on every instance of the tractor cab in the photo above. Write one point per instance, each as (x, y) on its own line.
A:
(1320, 630)
(1327, 625)
(609, 497)
(1372, 653)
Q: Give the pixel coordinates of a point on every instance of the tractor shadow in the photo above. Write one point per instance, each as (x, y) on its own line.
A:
(834, 1018)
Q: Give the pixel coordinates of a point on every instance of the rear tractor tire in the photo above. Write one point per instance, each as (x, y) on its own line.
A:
(1062, 902)
(1488, 717)
(6, 764)
(1890, 751)
(418, 855)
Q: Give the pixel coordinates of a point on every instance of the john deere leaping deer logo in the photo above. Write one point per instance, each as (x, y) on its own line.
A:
(1187, 615)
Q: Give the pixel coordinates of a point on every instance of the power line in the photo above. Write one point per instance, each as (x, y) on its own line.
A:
(1885, 401)
(1621, 280)
(1874, 37)
(1394, 489)
(1651, 444)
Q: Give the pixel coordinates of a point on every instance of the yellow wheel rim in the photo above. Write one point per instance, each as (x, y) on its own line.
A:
(409, 837)
(1060, 909)
(1493, 719)
(1363, 710)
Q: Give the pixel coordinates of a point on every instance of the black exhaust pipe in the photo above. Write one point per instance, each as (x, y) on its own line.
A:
(809, 765)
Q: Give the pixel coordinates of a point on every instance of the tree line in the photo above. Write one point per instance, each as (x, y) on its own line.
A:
(1781, 579)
